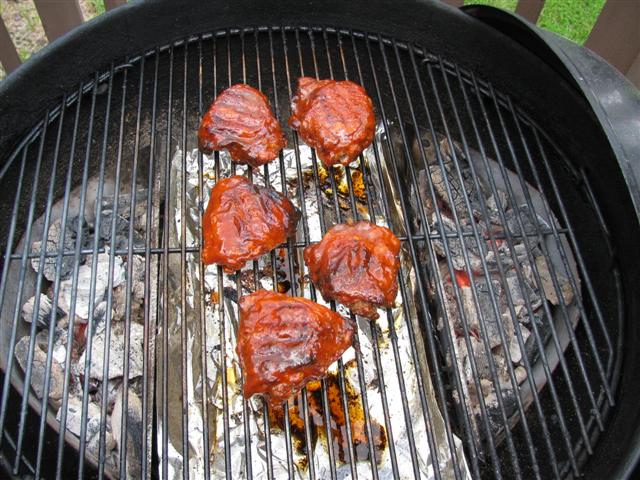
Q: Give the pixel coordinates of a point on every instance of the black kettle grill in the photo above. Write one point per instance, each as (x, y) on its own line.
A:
(116, 97)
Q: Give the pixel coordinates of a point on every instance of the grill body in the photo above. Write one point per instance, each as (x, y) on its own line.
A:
(580, 173)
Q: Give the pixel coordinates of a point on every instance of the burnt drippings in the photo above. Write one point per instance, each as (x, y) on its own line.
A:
(339, 174)
(337, 418)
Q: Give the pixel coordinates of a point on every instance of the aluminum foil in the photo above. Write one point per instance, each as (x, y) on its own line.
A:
(205, 389)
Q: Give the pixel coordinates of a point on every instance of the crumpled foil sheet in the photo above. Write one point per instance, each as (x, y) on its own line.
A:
(215, 319)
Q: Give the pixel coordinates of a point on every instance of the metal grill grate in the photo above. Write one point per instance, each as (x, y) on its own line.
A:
(126, 123)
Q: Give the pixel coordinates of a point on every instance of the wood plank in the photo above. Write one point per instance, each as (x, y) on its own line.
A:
(111, 4)
(530, 9)
(454, 3)
(616, 34)
(58, 16)
(8, 55)
(633, 74)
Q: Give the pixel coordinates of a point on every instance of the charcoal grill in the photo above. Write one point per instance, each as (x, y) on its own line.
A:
(98, 117)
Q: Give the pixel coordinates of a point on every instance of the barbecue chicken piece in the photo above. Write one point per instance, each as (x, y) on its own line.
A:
(244, 221)
(334, 117)
(357, 265)
(284, 342)
(241, 121)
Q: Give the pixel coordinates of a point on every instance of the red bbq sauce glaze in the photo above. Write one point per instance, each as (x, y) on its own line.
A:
(244, 221)
(357, 265)
(334, 117)
(240, 120)
(284, 342)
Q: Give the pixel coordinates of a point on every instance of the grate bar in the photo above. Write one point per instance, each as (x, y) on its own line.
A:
(372, 324)
(287, 428)
(293, 244)
(165, 283)
(149, 325)
(223, 342)
(265, 410)
(245, 409)
(106, 357)
(47, 379)
(183, 272)
(5, 271)
(203, 327)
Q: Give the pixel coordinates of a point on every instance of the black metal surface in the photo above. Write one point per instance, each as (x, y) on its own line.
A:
(410, 88)
(616, 103)
(614, 100)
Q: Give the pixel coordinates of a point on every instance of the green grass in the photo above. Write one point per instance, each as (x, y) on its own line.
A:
(573, 19)
(98, 6)
(506, 4)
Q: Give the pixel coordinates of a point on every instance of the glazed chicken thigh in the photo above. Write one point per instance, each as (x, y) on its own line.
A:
(284, 342)
(244, 221)
(240, 120)
(356, 265)
(334, 117)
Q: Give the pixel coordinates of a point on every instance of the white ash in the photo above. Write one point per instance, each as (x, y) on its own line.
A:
(457, 201)
(80, 227)
(74, 414)
(133, 432)
(38, 369)
(43, 315)
(117, 352)
(100, 312)
(550, 292)
(53, 246)
(494, 204)
(84, 281)
(455, 245)
(60, 345)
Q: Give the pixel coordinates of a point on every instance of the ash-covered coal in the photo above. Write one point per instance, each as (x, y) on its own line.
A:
(58, 239)
(495, 276)
(96, 297)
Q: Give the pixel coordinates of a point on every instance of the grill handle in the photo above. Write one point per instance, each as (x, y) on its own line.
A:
(614, 100)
